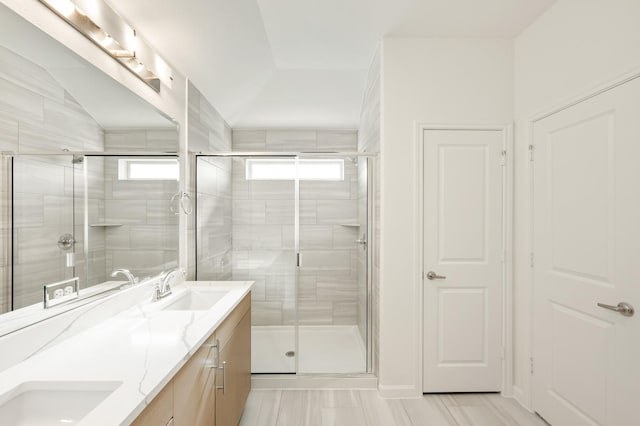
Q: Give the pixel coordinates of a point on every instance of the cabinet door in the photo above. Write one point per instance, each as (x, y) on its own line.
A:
(234, 380)
(159, 411)
(194, 389)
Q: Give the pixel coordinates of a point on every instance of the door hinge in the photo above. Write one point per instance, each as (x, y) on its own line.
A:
(423, 276)
(298, 260)
(531, 259)
(503, 158)
(531, 359)
(531, 149)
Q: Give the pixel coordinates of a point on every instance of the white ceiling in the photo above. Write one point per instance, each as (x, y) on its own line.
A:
(302, 63)
(468, 18)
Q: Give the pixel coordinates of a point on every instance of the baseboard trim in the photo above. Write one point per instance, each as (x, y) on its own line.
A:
(399, 391)
(293, 381)
(519, 395)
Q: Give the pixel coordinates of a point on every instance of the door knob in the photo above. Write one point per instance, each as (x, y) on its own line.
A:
(433, 276)
(622, 308)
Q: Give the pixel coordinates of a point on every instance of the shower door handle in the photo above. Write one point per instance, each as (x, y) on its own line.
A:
(181, 201)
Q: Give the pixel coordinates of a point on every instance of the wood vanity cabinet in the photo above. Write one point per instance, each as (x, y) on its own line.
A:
(234, 336)
(200, 395)
(160, 411)
(194, 401)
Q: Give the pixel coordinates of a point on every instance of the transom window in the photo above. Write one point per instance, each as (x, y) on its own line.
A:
(285, 169)
(148, 169)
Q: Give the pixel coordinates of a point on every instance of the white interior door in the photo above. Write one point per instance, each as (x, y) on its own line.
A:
(586, 251)
(463, 234)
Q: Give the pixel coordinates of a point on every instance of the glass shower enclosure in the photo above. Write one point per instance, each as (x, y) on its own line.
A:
(86, 215)
(298, 225)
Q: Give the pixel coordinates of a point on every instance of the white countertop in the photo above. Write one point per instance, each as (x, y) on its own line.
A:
(142, 347)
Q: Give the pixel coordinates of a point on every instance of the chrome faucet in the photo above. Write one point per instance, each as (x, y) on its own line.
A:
(163, 289)
(132, 280)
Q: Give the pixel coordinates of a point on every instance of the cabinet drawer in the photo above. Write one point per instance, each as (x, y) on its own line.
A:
(226, 329)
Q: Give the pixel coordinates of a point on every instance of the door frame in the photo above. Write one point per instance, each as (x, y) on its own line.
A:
(524, 394)
(507, 228)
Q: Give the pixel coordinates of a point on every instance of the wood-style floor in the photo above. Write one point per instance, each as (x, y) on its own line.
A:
(366, 408)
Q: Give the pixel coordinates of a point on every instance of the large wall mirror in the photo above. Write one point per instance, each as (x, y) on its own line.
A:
(88, 171)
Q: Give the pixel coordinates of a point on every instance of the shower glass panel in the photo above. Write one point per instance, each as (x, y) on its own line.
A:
(255, 215)
(332, 284)
(245, 230)
(46, 232)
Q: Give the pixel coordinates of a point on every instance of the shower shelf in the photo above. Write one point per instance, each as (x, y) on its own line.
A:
(351, 225)
(104, 225)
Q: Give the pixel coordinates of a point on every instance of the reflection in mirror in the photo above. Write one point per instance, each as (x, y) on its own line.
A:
(77, 214)
(87, 216)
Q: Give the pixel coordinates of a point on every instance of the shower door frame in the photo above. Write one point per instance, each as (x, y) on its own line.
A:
(8, 159)
(371, 158)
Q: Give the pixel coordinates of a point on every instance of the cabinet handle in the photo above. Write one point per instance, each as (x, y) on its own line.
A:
(215, 346)
(224, 377)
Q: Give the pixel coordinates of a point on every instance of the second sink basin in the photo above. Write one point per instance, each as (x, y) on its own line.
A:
(195, 300)
(52, 403)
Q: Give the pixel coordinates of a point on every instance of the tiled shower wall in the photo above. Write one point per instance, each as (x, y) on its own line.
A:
(141, 232)
(369, 141)
(208, 132)
(37, 114)
(263, 233)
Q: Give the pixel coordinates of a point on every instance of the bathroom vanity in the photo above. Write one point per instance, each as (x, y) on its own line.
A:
(182, 360)
(212, 387)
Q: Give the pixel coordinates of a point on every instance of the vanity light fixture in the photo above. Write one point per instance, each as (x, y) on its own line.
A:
(97, 21)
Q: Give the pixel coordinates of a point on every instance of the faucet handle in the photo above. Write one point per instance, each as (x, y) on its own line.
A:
(130, 277)
(170, 276)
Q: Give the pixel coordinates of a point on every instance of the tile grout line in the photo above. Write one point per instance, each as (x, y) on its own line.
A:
(279, 402)
(498, 411)
(444, 408)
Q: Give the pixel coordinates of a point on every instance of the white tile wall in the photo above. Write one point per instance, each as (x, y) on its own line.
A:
(36, 114)
(208, 132)
(146, 242)
(263, 239)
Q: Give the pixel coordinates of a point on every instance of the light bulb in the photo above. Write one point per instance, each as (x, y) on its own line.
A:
(64, 7)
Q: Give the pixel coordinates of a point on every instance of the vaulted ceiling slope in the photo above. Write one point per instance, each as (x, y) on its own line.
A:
(303, 63)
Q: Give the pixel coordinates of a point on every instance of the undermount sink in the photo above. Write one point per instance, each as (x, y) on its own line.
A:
(52, 403)
(195, 300)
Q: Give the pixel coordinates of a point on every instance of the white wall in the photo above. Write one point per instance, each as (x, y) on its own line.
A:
(438, 81)
(575, 46)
